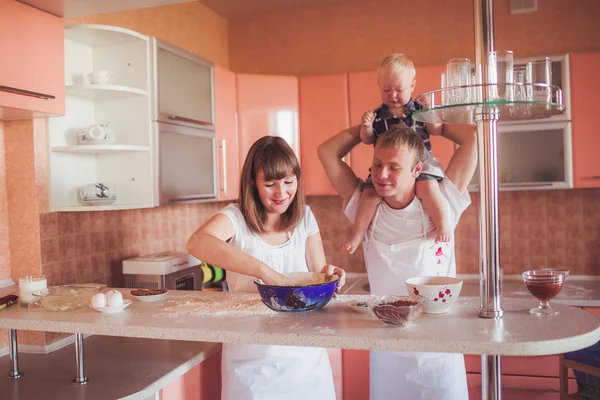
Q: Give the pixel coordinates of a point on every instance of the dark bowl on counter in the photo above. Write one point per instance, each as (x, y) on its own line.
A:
(313, 292)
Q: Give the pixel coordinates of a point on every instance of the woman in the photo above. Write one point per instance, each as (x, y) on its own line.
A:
(271, 231)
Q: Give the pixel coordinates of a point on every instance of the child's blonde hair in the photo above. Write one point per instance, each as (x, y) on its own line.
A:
(395, 64)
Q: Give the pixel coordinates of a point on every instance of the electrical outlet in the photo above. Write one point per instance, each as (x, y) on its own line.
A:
(523, 6)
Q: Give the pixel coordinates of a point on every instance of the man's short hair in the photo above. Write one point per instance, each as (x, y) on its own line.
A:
(401, 136)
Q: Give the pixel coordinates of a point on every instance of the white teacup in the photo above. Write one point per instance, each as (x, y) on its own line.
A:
(100, 77)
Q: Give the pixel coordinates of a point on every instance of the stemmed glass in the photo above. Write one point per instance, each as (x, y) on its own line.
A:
(544, 285)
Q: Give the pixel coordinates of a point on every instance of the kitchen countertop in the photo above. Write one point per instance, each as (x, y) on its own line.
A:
(579, 291)
(195, 316)
(118, 368)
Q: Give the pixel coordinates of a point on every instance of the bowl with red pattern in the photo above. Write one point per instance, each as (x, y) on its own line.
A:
(437, 293)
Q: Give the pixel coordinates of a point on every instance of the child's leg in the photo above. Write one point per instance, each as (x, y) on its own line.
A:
(436, 207)
(367, 206)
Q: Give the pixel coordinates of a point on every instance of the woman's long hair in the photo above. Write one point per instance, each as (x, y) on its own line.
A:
(276, 159)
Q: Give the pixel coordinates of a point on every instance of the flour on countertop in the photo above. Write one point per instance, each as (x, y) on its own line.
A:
(240, 304)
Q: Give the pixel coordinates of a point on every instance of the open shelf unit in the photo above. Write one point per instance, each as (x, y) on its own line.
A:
(127, 165)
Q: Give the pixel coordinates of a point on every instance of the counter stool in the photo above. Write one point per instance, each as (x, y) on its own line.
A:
(588, 376)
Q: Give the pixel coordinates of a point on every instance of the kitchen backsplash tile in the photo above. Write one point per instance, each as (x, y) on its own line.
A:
(537, 229)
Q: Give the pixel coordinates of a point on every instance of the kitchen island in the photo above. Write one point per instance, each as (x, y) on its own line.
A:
(242, 318)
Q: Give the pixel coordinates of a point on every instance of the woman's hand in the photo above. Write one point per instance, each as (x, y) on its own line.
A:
(331, 270)
(271, 277)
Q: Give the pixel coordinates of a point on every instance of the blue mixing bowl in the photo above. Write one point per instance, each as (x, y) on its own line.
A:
(311, 294)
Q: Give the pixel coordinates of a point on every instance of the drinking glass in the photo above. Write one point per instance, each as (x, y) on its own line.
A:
(522, 92)
(544, 285)
(500, 76)
(539, 72)
(458, 73)
(27, 286)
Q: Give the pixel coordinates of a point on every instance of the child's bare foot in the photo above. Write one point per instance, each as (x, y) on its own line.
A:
(352, 244)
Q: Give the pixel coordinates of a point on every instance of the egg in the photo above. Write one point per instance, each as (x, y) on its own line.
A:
(114, 298)
(99, 300)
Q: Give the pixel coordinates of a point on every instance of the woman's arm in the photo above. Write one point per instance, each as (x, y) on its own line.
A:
(208, 244)
(315, 255)
(315, 259)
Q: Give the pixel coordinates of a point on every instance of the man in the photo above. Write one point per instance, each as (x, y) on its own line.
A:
(400, 243)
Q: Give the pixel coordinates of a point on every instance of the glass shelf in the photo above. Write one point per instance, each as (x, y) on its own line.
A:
(465, 113)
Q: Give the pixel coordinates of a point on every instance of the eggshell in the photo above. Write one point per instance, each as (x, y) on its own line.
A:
(99, 300)
(114, 298)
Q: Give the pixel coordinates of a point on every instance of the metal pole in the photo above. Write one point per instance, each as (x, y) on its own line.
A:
(13, 353)
(490, 370)
(487, 120)
(80, 379)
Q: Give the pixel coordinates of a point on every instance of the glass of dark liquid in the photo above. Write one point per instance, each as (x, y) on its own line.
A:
(544, 285)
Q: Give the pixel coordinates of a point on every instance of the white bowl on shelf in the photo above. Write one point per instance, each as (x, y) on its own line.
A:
(100, 77)
(113, 309)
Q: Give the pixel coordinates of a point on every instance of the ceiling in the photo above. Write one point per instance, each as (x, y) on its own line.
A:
(78, 8)
(234, 9)
(230, 9)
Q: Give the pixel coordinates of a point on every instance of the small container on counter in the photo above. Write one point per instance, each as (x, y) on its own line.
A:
(28, 285)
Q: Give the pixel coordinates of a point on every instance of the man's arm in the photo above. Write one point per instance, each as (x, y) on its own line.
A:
(464, 161)
(331, 152)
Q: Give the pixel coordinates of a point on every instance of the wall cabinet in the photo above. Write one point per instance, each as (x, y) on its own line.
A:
(323, 113)
(125, 164)
(585, 86)
(267, 105)
(227, 134)
(32, 83)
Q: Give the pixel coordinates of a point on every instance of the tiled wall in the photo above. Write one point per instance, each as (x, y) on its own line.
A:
(538, 229)
(89, 246)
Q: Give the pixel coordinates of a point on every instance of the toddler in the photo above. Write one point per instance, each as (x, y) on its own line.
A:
(396, 80)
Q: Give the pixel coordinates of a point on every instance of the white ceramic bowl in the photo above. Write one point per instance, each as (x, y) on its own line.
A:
(437, 293)
(112, 309)
(100, 77)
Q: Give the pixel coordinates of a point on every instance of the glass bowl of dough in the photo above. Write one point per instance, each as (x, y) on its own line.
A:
(68, 297)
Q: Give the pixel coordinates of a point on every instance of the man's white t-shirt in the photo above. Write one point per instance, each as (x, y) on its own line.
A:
(410, 225)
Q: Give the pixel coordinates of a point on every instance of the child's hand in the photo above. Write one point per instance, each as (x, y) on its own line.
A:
(368, 118)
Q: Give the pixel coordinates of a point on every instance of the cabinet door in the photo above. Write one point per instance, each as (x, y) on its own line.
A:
(585, 86)
(185, 85)
(226, 132)
(33, 42)
(429, 78)
(323, 113)
(267, 105)
(363, 97)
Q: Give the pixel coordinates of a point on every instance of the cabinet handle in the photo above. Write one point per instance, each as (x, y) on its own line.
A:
(190, 120)
(26, 93)
(193, 197)
(224, 166)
